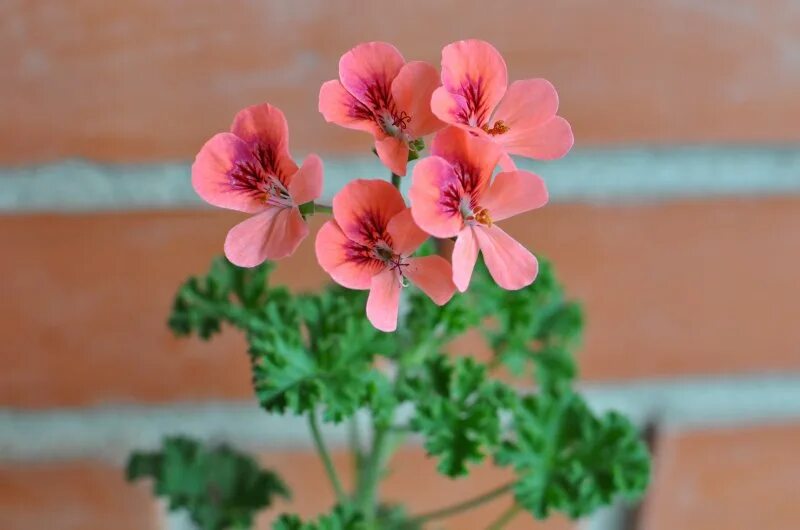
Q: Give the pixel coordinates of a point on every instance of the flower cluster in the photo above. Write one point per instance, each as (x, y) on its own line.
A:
(479, 120)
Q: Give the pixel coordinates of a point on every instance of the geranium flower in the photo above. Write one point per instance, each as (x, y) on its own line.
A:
(380, 93)
(250, 170)
(453, 194)
(368, 245)
(521, 118)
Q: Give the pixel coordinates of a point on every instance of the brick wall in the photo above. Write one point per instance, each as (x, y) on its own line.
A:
(685, 256)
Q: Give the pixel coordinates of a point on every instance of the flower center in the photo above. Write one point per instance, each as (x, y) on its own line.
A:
(499, 128)
(259, 177)
(475, 214)
(395, 124)
(393, 261)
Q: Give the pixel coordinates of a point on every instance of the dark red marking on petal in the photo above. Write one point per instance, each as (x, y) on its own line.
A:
(259, 175)
(476, 112)
(381, 108)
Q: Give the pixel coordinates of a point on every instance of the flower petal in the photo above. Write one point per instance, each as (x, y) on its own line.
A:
(263, 124)
(306, 184)
(272, 234)
(406, 235)
(211, 174)
(476, 71)
(363, 209)
(393, 152)
(338, 106)
(434, 275)
(383, 302)
(367, 71)
(514, 192)
(511, 265)
(529, 111)
(465, 254)
(347, 262)
(412, 90)
(473, 155)
(435, 195)
(450, 108)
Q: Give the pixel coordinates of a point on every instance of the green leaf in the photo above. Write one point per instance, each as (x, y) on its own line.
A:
(341, 518)
(307, 351)
(457, 409)
(531, 325)
(569, 460)
(219, 487)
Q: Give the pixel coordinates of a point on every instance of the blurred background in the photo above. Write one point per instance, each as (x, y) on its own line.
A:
(676, 219)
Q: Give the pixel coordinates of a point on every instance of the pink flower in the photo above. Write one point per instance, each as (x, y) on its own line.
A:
(250, 170)
(453, 194)
(521, 118)
(368, 245)
(378, 92)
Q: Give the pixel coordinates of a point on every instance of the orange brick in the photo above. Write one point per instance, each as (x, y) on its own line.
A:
(700, 287)
(73, 496)
(148, 80)
(738, 479)
(412, 481)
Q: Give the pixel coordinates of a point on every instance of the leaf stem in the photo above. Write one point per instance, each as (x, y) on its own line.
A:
(322, 208)
(505, 517)
(463, 505)
(373, 471)
(330, 470)
(396, 180)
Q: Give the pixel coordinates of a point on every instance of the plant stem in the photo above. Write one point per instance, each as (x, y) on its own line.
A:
(464, 505)
(505, 517)
(326, 457)
(396, 180)
(372, 473)
(322, 208)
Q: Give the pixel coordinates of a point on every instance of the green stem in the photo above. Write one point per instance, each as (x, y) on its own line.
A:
(396, 180)
(464, 505)
(326, 457)
(505, 517)
(373, 471)
(322, 208)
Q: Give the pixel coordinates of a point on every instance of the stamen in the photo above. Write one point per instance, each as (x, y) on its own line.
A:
(401, 120)
(499, 128)
(483, 217)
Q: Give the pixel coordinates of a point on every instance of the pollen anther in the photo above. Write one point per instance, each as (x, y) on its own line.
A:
(499, 128)
(482, 216)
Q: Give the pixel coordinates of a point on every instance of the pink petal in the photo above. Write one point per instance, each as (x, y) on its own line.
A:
(475, 70)
(338, 106)
(412, 90)
(434, 275)
(450, 108)
(370, 67)
(529, 111)
(514, 192)
(344, 259)
(383, 302)
(272, 234)
(363, 209)
(393, 152)
(306, 185)
(210, 174)
(511, 265)
(432, 210)
(475, 155)
(406, 235)
(465, 254)
(263, 124)
(507, 163)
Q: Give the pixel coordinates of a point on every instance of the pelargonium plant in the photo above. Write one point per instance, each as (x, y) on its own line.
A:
(373, 346)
